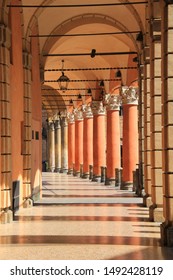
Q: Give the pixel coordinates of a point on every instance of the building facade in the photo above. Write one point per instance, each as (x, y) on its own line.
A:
(114, 120)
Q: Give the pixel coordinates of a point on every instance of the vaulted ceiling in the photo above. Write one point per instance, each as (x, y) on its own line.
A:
(118, 16)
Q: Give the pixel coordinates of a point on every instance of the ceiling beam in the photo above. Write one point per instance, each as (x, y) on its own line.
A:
(85, 34)
(79, 5)
(89, 54)
(65, 95)
(74, 81)
(90, 69)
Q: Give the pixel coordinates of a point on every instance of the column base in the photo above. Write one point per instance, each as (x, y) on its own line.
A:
(166, 234)
(96, 178)
(63, 170)
(118, 177)
(76, 173)
(70, 171)
(57, 169)
(51, 169)
(110, 182)
(156, 214)
(128, 186)
(7, 217)
(147, 201)
(90, 172)
(103, 174)
(85, 175)
(28, 203)
(81, 170)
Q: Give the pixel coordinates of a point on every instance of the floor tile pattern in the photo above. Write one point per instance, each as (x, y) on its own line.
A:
(78, 219)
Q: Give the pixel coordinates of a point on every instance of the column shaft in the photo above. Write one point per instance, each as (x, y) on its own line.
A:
(88, 145)
(64, 145)
(51, 147)
(99, 139)
(130, 142)
(113, 144)
(78, 145)
(57, 146)
(71, 146)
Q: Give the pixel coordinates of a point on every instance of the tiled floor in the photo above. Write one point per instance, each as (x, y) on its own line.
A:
(77, 219)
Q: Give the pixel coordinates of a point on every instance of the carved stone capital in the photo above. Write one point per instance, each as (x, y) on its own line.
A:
(98, 108)
(129, 95)
(70, 117)
(87, 111)
(63, 114)
(64, 122)
(78, 114)
(51, 123)
(113, 102)
(57, 124)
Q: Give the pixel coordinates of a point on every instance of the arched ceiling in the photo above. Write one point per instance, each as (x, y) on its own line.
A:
(84, 20)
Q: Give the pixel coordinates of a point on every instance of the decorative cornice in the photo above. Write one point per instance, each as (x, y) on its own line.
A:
(129, 95)
(98, 108)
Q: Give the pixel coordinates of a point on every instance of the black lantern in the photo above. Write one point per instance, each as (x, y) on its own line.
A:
(118, 74)
(101, 83)
(89, 91)
(63, 80)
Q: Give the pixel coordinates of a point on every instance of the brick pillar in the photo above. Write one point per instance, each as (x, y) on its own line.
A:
(147, 138)
(99, 139)
(71, 142)
(156, 209)
(87, 141)
(51, 145)
(140, 166)
(78, 141)
(64, 144)
(130, 136)
(113, 156)
(5, 119)
(57, 145)
(27, 126)
(167, 120)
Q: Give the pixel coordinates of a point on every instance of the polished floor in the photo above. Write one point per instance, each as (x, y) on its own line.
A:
(81, 220)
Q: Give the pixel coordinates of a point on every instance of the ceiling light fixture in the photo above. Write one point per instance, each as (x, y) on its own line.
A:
(118, 74)
(63, 80)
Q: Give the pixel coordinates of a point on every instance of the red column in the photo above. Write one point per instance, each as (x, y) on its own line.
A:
(87, 141)
(99, 139)
(71, 143)
(78, 142)
(113, 157)
(130, 136)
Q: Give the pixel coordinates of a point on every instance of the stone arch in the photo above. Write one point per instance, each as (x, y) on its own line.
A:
(38, 11)
(71, 23)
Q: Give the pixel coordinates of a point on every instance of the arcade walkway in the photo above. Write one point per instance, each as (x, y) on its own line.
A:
(77, 219)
